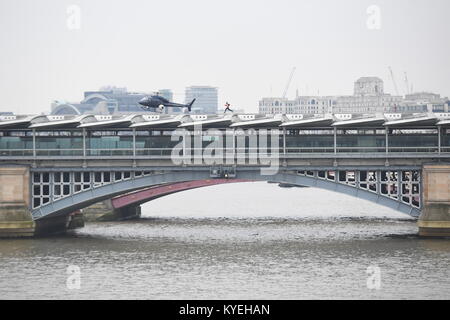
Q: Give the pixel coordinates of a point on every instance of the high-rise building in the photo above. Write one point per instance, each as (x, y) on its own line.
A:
(425, 98)
(368, 97)
(368, 86)
(300, 105)
(168, 94)
(207, 100)
(107, 100)
(425, 102)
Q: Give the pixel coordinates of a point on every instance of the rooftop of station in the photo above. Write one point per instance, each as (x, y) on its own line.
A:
(290, 121)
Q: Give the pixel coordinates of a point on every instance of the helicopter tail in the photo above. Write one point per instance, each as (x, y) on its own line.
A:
(190, 105)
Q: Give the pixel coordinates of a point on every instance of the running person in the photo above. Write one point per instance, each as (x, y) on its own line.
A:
(227, 107)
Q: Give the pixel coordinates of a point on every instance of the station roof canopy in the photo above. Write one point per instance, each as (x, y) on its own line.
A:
(308, 122)
(22, 122)
(422, 121)
(208, 122)
(263, 121)
(444, 123)
(169, 122)
(365, 122)
(72, 122)
(294, 121)
(109, 123)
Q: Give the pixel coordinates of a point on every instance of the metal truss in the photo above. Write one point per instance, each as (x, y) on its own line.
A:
(51, 186)
(400, 185)
(59, 191)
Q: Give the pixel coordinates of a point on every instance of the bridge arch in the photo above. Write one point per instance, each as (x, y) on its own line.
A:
(142, 196)
(93, 195)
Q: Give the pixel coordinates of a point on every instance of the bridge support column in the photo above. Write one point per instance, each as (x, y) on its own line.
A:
(15, 217)
(434, 220)
(105, 211)
(76, 220)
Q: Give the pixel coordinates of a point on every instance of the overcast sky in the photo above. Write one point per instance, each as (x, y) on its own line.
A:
(246, 48)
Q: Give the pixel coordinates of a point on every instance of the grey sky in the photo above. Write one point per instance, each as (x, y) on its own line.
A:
(243, 47)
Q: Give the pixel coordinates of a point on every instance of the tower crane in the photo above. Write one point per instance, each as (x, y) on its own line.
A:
(393, 80)
(407, 84)
(288, 83)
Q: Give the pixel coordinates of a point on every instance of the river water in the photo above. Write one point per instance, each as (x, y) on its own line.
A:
(235, 241)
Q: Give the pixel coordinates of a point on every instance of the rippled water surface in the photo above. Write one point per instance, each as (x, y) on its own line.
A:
(249, 241)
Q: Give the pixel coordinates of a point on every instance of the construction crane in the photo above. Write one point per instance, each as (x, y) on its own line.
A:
(407, 84)
(393, 80)
(288, 83)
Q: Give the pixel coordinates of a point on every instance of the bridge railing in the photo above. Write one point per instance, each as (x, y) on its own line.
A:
(59, 152)
(167, 152)
(414, 149)
(110, 152)
(310, 150)
(16, 153)
(366, 150)
(164, 152)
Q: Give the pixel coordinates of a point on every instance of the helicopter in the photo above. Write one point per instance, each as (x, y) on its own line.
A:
(155, 101)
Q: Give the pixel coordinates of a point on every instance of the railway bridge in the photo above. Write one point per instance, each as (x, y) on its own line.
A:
(54, 166)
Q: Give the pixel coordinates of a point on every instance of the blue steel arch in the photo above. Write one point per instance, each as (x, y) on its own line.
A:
(93, 195)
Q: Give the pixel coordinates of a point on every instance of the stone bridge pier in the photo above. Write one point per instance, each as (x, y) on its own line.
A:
(15, 215)
(105, 211)
(434, 220)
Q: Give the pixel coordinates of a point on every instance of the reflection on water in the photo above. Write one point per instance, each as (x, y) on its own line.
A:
(265, 243)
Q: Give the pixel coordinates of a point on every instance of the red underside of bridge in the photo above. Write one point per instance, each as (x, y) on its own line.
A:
(163, 190)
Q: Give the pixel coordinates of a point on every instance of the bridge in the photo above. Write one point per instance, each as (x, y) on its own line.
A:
(53, 166)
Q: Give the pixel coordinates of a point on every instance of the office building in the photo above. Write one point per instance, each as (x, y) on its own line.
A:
(207, 100)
